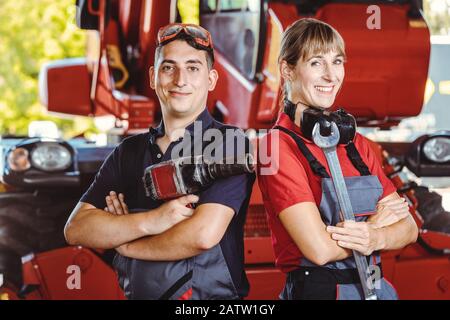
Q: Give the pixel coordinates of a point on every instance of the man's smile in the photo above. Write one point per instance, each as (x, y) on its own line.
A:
(175, 93)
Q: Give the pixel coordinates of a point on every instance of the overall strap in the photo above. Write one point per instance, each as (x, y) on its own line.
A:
(316, 166)
(352, 154)
(356, 159)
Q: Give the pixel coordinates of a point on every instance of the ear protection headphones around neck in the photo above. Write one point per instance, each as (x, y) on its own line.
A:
(344, 121)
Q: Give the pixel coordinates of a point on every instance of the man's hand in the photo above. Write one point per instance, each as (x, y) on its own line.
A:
(359, 236)
(389, 211)
(115, 204)
(175, 211)
(170, 213)
(122, 250)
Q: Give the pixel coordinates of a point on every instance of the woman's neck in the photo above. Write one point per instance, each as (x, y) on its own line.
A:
(298, 113)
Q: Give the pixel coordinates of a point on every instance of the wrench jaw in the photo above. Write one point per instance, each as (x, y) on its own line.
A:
(326, 142)
(372, 297)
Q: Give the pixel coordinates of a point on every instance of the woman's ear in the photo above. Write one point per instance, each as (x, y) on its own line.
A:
(286, 71)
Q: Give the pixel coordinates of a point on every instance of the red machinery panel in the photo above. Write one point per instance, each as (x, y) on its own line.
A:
(50, 272)
(386, 69)
(64, 86)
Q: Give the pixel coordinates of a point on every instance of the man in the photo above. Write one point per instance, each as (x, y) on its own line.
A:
(167, 250)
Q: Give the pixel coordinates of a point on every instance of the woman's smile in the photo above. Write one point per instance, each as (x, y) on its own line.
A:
(324, 89)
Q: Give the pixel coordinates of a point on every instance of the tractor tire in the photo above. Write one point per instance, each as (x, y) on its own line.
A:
(430, 208)
(30, 223)
(9, 264)
(8, 291)
(439, 223)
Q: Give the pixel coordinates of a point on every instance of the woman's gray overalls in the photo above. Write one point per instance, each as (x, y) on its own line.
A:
(338, 280)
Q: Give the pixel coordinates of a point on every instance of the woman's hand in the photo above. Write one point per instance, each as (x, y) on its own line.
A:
(115, 204)
(389, 211)
(359, 236)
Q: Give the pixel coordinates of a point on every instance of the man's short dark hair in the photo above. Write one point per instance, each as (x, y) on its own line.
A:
(190, 41)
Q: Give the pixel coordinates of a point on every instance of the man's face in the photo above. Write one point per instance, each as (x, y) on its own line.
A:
(181, 79)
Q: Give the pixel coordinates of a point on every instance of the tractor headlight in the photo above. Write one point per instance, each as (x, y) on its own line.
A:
(437, 149)
(19, 160)
(50, 156)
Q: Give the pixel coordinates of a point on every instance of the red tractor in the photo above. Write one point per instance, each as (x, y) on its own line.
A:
(386, 75)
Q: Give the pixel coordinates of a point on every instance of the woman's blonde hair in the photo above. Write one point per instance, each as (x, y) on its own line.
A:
(308, 37)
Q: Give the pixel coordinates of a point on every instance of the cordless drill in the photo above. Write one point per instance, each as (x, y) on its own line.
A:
(188, 175)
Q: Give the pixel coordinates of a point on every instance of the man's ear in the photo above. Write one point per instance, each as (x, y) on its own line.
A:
(213, 77)
(151, 73)
(286, 71)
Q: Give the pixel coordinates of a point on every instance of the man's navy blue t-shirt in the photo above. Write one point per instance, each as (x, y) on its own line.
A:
(123, 173)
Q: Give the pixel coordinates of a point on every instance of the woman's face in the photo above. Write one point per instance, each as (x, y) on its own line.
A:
(316, 80)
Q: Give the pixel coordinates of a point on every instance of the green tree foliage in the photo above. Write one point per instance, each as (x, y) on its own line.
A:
(32, 33)
(437, 14)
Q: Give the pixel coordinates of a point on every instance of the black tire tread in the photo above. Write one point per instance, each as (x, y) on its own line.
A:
(435, 217)
(30, 223)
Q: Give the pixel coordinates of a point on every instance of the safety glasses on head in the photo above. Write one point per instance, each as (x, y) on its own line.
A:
(200, 35)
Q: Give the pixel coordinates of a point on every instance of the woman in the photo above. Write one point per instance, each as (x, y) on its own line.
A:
(311, 244)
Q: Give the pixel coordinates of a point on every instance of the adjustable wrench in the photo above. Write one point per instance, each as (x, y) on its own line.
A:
(328, 145)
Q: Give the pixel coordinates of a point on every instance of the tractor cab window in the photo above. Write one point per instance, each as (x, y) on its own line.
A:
(310, 7)
(320, 3)
(208, 6)
(235, 29)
